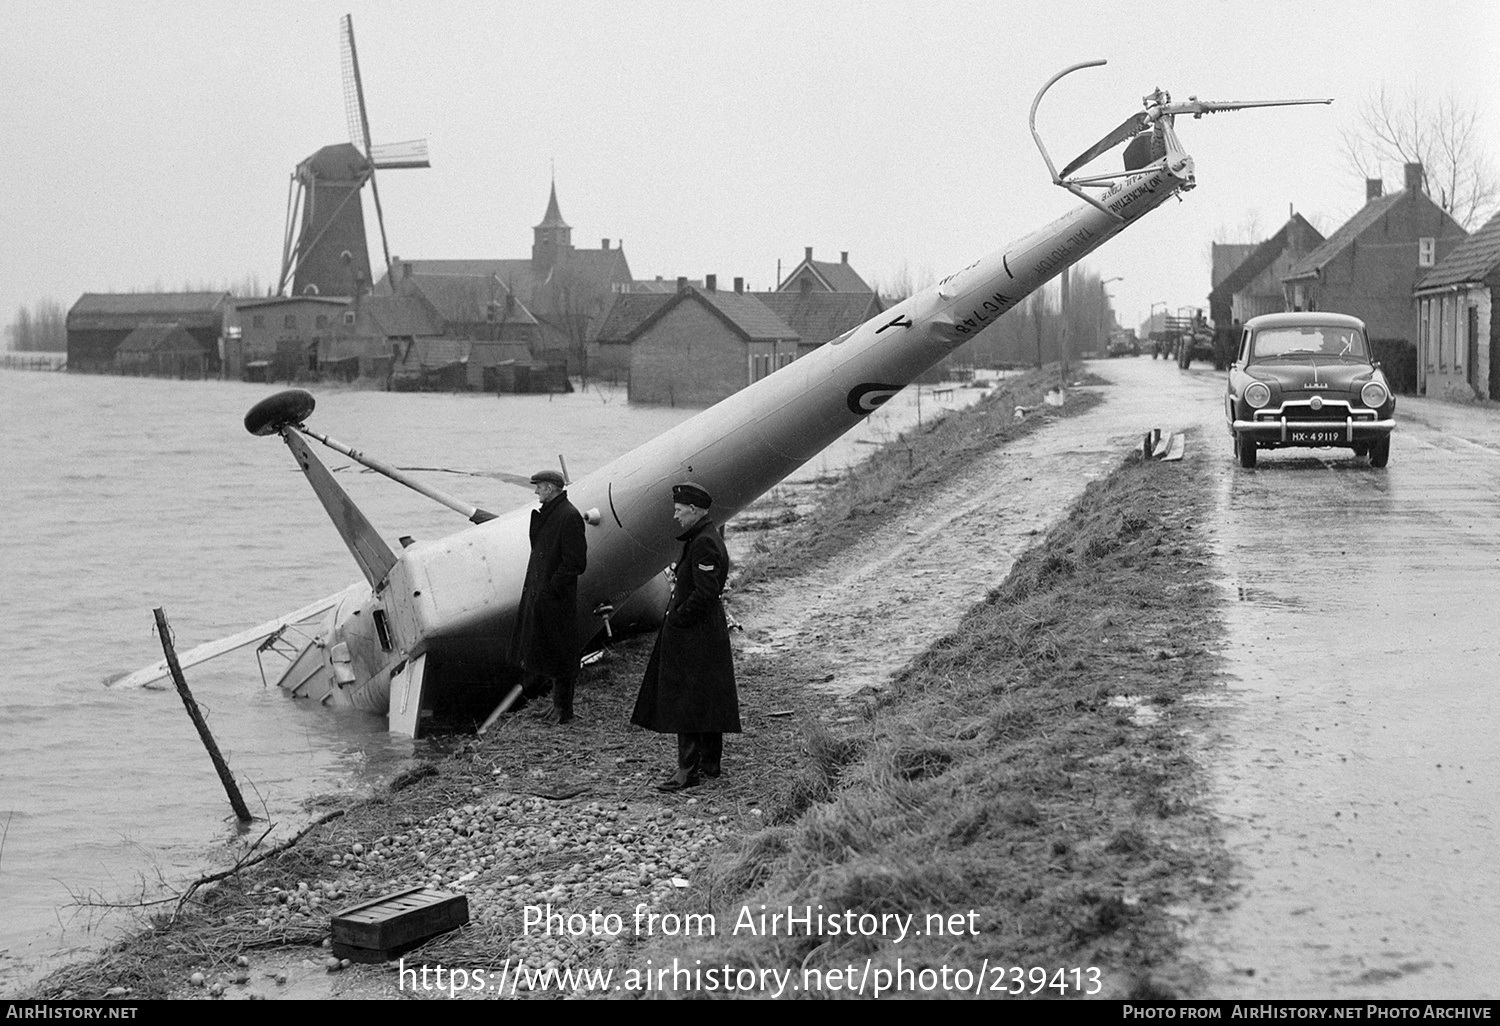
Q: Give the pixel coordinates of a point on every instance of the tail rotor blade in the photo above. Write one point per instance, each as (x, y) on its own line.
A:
(1125, 130)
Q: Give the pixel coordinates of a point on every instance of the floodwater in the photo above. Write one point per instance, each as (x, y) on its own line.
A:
(122, 495)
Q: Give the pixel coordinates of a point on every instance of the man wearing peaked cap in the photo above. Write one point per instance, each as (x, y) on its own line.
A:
(689, 494)
(688, 688)
(546, 642)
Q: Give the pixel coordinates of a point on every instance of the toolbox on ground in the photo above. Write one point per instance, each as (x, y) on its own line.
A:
(392, 924)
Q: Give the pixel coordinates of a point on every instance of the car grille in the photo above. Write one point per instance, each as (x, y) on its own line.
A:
(1332, 410)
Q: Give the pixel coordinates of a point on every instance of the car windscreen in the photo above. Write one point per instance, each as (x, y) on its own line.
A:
(1316, 340)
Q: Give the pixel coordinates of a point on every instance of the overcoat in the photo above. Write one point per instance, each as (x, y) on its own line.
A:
(688, 687)
(546, 639)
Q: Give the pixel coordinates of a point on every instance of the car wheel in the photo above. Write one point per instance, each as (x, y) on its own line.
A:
(1247, 449)
(1380, 452)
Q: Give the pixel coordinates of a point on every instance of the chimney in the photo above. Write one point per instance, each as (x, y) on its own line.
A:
(711, 282)
(844, 257)
(604, 244)
(1373, 189)
(808, 256)
(1414, 179)
(682, 283)
(739, 285)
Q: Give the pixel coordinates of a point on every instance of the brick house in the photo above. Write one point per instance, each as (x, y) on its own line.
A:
(1369, 266)
(1458, 335)
(269, 338)
(702, 345)
(609, 349)
(1247, 279)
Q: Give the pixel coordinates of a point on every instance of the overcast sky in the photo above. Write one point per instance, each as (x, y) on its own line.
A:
(151, 143)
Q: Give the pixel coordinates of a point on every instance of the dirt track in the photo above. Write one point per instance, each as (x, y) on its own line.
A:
(864, 615)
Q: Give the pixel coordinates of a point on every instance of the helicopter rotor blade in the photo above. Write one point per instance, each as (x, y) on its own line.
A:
(1197, 108)
(1125, 130)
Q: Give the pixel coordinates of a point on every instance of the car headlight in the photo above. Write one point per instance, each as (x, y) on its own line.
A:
(1257, 395)
(1374, 394)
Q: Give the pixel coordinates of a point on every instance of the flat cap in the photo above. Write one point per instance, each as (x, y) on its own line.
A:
(690, 494)
(551, 477)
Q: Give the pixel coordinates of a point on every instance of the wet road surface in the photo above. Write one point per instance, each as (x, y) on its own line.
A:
(1356, 764)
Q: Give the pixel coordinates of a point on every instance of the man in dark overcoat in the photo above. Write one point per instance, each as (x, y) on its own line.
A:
(546, 643)
(688, 689)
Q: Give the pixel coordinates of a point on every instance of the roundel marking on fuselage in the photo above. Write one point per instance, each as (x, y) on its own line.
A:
(870, 396)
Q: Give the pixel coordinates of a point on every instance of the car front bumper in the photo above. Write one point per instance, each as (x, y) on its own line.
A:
(1284, 431)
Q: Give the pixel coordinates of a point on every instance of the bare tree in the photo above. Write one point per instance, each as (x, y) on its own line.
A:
(42, 330)
(903, 283)
(576, 304)
(1443, 135)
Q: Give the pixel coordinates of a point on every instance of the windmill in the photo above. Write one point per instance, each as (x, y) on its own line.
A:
(324, 251)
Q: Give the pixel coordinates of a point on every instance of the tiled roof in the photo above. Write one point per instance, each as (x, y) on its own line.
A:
(465, 297)
(817, 317)
(746, 313)
(1347, 233)
(742, 311)
(110, 309)
(436, 352)
(627, 312)
(661, 285)
(397, 316)
(836, 277)
(1262, 256)
(1472, 260)
(513, 274)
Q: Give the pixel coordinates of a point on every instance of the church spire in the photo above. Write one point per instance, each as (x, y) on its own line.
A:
(552, 240)
(553, 217)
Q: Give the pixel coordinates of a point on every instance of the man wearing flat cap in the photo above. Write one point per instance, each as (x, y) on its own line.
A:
(546, 643)
(688, 689)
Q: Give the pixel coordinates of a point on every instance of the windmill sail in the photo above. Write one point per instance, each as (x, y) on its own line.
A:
(400, 154)
(331, 254)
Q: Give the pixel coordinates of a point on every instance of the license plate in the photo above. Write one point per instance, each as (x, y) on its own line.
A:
(1318, 437)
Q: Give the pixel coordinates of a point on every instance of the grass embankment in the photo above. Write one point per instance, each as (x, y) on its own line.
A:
(1013, 770)
(1032, 768)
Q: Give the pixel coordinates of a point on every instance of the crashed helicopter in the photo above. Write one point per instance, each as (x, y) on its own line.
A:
(423, 637)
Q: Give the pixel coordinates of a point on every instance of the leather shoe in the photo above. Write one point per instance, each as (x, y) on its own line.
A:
(679, 781)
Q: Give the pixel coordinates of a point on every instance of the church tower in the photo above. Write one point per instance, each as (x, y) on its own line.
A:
(552, 240)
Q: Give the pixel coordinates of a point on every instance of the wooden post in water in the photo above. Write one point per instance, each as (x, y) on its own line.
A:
(230, 787)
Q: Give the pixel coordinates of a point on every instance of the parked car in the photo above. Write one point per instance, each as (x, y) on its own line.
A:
(1307, 380)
